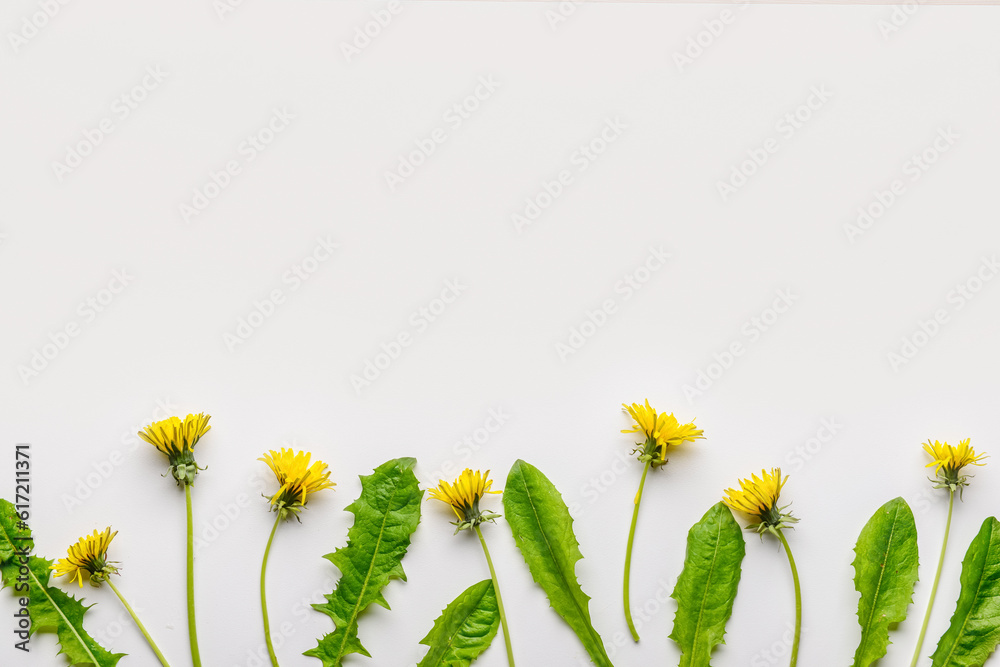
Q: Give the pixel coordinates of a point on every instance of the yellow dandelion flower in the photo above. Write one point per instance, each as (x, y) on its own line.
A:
(661, 431)
(758, 498)
(298, 476)
(464, 495)
(948, 461)
(176, 438)
(89, 555)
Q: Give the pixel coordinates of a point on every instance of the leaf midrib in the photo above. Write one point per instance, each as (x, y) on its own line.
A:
(866, 630)
(42, 588)
(701, 611)
(979, 587)
(451, 639)
(538, 522)
(371, 566)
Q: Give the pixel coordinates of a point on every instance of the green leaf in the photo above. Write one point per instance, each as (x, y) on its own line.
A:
(543, 531)
(464, 629)
(706, 590)
(49, 608)
(385, 515)
(975, 627)
(885, 572)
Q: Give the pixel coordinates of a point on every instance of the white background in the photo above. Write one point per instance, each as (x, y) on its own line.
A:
(162, 339)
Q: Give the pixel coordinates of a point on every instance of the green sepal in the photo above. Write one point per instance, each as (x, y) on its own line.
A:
(649, 452)
(772, 521)
(706, 589)
(975, 626)
(470, 524)
(49, 608)
(464, 629)
(885, 573)
(385, 516)
(543, 531)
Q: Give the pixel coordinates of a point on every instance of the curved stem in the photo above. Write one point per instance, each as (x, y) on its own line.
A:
(628, 555)
(192, 629)
(142, 628)
(496, 588)
(937, 579)
(263, 593)
(798, 599)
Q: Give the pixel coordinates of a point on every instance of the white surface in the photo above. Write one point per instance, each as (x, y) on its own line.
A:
(161, 339)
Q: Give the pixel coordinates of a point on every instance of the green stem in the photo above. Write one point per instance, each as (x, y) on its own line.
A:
(937, 579)
(192, 629)
(628, 555)
(263, 593)
(496, 588)
(142, 628)
(798, 599)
